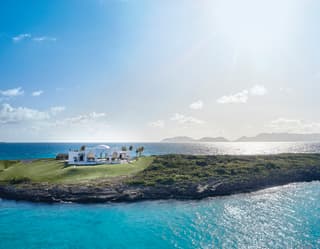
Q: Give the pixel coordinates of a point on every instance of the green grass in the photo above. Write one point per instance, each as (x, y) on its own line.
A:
(6, 164)
(50, 170)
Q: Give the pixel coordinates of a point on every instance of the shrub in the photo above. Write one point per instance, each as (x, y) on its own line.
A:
(221, 171)
(270, 165)
(15, 180)
(201, 163)
(62, 156)
(167, 181)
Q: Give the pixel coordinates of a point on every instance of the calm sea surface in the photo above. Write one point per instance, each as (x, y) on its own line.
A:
(49, 150)
(281, 217)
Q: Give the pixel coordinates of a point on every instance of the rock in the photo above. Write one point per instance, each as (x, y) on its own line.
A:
(119, 192)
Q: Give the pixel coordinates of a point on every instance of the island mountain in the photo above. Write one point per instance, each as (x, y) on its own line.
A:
(262, 137)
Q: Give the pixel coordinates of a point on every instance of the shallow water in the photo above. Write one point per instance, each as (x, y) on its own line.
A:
(281, 217)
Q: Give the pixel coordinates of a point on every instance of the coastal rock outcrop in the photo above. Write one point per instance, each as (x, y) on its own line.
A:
(178, 177)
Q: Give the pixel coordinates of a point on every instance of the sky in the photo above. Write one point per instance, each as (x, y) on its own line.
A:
(129, 70)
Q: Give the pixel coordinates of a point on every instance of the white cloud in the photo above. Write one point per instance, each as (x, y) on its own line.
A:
(27, 36)
(258, 90)
(95, 115)
(37, 93)
(56, 109)
(243, 96)
(240, 97)
(22, 123)
(44, 38)
(293, 126)
(21, 37)
(157, 124)
(12, 92)
(9, 114)
(198, 105)
(84, 118)
(182, 119)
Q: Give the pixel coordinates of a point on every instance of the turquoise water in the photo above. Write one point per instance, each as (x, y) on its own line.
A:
(281, 217)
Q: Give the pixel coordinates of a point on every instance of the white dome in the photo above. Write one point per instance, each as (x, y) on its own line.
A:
(103, 147)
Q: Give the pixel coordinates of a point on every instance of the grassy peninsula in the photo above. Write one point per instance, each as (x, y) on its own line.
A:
(55, 171)
(154, 177)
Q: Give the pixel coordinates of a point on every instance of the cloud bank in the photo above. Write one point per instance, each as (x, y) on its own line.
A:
(12, 92)
(9, 114)
(294, 126)
(243, 96)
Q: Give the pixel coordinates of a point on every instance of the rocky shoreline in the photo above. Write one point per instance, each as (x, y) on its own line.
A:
(52, 193)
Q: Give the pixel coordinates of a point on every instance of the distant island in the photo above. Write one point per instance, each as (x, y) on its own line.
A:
(153, 177)
(262, 137)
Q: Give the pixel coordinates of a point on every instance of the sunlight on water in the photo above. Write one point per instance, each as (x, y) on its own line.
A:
(281, 217)
(50, 150)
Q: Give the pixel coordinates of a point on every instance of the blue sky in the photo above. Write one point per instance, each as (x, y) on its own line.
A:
(90, 70)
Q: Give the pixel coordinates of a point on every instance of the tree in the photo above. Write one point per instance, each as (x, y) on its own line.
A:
(130, 147)
(124, 148)
(141, 150)
(82, 148)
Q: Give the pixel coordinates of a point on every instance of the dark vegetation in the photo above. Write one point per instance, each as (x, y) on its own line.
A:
(62, 156)
(172, 169)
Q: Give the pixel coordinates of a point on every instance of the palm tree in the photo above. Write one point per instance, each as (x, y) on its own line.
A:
(141, 150)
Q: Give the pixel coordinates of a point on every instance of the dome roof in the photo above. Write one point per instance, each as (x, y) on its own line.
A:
(103, 147)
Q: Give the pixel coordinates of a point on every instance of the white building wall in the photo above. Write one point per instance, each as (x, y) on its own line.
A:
(72, 155)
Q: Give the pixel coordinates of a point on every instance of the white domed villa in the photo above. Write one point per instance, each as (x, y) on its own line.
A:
(100, 154)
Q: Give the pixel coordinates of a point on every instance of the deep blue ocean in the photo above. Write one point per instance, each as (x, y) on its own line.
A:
(280, 217)
(49, 150)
